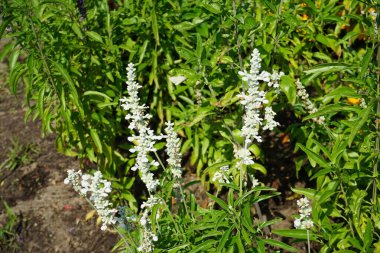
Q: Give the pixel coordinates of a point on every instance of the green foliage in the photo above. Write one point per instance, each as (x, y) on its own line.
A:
(188, 54)
(8, 234)
(19, 155)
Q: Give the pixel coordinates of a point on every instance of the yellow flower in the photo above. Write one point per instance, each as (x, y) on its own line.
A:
(304, 17)
(353, 101)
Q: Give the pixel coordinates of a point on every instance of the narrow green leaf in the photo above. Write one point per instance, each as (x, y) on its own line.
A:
(199, 48)
(13, 59)
(155, 26)
(96, 139)
(177, 248)
(321, 172)
(332, 109)
(203, 247)
(363, 117)
(368, 235)
(96, 93)
(270, 5)
(239, 243)
(77, 30)
(295, 233)
(73, 90)
(213, 7)
(143, 50)
(309, 193)
(41, 100)
(364, 64)
(328, 68)
(220, 202)
(94, 36)
(288, 87)
(280, 245)
(224, 239)
(315, 157)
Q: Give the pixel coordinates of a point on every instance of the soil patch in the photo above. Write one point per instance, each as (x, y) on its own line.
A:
(50, 215)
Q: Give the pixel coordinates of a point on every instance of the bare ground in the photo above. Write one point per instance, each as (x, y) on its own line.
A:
(51, 216)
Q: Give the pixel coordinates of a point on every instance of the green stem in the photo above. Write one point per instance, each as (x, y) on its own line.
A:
(308, 241)
(43, 58)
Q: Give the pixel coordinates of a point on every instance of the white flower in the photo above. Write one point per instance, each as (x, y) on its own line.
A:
(146, 138)
(303, 202)
(303, 221)
(243, 155)
(363, 103)
(173, 147)
(96, 189)
(269, 118)
(255, 182)
(297, 223)
(73, 178)
(310, 107)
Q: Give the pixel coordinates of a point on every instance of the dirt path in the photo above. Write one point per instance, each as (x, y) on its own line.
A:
(51, 216)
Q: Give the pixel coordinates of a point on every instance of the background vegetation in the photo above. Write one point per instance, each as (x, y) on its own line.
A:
(72, 55)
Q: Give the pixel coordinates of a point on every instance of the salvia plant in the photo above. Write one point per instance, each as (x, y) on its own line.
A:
(211, 79)
(163, 225)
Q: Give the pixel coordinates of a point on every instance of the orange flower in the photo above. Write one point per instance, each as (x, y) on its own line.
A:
(353, 101)
(304, 17)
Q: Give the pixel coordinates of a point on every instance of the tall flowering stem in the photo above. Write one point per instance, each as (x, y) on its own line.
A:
(144, 137)
(304, 221)
(254, 99)
(96, 190)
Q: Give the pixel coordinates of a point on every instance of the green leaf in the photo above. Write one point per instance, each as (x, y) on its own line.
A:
(199, 48)
(326, 68)
(309, 193)
(340, 92)
(13, 59)
(77, 30)
(313, 156)
(96, 139)
(288, 87)
(330, 42)
(295, 233)
(203, 247)
(332, 109)
(94, 36)
(270, 5)
(259, 167)
(280, 245)
(363, 117)
(155, 26)
(212, 7)
(239, 244)
(220, 202)
(364, 64)
(96, 93)
(224, 239)
(177, 248)
(368, 235)
(73, 90)
(15, 75)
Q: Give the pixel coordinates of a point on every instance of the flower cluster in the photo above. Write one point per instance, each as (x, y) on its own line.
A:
(304, 221)
(173, 147)
(148, 237)
(96, 189)
(253, 100)
(222, 175)
(309, 106)
(146, 138)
